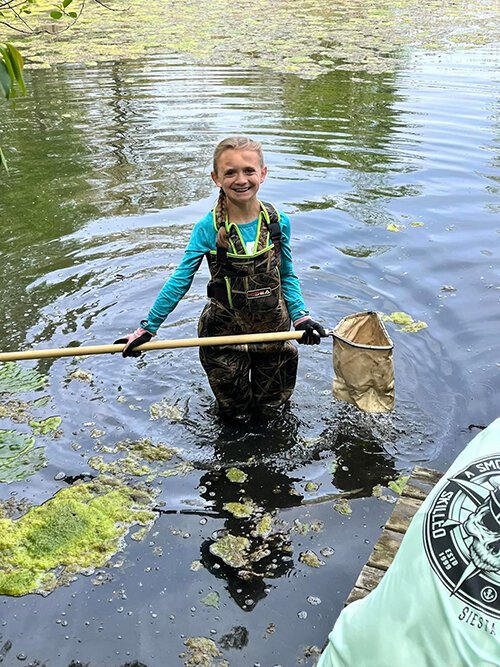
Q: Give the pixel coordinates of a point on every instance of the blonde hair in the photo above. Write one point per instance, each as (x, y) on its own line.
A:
(238, 143)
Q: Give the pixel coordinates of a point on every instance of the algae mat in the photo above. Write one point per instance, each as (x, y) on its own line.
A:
(307, 40)
(74, 532)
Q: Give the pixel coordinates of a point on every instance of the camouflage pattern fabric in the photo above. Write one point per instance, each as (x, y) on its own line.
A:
(244, 377)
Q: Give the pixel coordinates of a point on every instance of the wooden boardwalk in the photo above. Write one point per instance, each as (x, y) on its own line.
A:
(419, 485)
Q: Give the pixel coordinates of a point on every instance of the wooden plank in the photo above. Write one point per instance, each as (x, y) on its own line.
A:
(419, 485)
(369, 578)
(356, 594)
(385, 549)
(402, 514)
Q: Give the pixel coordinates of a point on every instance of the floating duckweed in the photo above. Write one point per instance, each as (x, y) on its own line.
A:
(232, 549)
(406, 321)
(18, 457)
(211, 600)
(166, 410)
(342, 506)
(417, 224)
(236, 475)
(201, 652)
(14, 378)
(44, 426)
(77, 530)
(241, 510)
(310, 558)
(392, 227)
(398, 485)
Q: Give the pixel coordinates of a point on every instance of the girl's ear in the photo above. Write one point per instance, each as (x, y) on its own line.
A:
(215, 179)
(263, 174)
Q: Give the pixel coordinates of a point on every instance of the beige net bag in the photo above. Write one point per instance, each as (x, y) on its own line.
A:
(362, 362)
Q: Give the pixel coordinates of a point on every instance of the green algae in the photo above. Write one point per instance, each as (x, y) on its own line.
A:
(342, 507)
(80, 374)
(15, 378)
(324, 35)
(19, 458)
(76, 531)
(141, 458)
(310, 558)
(393, 227)
(310, 487)
(17, 411)
(232, 549)
(166, 410)
(263, 527)
(236, 475)
(242, 510)
(407, 323)
(201, 652)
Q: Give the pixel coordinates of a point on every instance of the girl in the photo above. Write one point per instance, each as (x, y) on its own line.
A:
(253, 287)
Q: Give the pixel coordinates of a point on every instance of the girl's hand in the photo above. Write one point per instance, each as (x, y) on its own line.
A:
(313, 332)
(133, 340)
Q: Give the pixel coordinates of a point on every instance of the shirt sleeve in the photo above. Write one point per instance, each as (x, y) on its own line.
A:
(201, 241)
(289, 282)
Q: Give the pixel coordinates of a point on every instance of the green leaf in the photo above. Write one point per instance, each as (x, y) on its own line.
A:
(73, 15)
(5, 80)
(17, 63)
(55, 15)
(397, 485)
(14, 378)
(66, 3)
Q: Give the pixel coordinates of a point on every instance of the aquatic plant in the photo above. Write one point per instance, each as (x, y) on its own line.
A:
(76, 531)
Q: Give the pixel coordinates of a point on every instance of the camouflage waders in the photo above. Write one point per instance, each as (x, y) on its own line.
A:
(245, 297)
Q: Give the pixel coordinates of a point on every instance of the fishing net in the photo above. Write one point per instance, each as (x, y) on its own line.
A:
(362, 362)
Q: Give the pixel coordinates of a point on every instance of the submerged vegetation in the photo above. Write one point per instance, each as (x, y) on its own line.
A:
(306, 39)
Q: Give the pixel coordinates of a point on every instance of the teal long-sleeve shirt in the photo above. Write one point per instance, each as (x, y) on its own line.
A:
(202, 240)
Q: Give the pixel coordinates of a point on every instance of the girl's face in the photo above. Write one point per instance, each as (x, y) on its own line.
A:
(239, 173)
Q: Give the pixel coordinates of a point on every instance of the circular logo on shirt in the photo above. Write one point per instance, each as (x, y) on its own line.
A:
(462, 535)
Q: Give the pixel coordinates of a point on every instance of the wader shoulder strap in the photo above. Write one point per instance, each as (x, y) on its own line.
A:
(273, 226)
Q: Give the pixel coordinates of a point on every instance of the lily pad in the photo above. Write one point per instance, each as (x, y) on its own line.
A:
(44, 426)
(19, 458)
(14, 378)
(211, 600)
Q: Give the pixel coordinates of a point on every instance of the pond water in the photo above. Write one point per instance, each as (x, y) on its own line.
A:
(109, 170)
